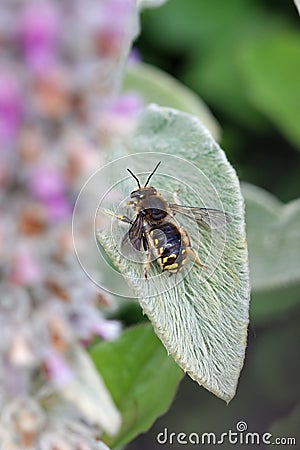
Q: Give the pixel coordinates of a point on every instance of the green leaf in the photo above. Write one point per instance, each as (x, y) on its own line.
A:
(141, 377)
(288, 426)
(271, 71)
(157, 86)
(274, 253)
(274, 366)
(197, 26)
(210, 64)
(200, 316)
(273, 232)
(274, 304)
(222, 84)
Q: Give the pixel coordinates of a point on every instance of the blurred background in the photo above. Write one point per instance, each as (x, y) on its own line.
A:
(243, 59)
(61, 65)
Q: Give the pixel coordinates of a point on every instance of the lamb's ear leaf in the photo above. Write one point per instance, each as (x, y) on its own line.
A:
(88, 392)
(141, 378)
(201, 317)
(143, 4)
(273, 236)
(274, 253)
(297, 3)
(156, 86)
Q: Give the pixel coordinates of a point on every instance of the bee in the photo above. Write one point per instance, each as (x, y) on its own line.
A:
(153, 229)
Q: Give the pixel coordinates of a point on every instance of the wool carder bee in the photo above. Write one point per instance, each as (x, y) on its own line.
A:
(153, 230)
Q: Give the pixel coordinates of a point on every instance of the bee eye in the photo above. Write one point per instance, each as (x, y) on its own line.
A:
(136, 194)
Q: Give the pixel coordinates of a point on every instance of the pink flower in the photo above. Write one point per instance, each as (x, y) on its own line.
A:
(39, 30)
(25, 269)
(57, 369)
(46, 183)
(119, 10)
(10, 108)
(127, 105)
(58, 208)
(119, 118)
(117, 18)
(108, 329)
(134, 56)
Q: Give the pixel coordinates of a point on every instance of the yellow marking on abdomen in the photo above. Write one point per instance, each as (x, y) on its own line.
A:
(169, 257)
(171, 266)
(156, 241)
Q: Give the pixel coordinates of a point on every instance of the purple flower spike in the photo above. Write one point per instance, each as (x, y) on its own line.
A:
(108, 329)
(127, 105)
(119, 10)
(25, 269)
(58, 208)
(134, 56)
(10, 108)
(46, 183)
(38, 30)
(117, 20)
(57, 369)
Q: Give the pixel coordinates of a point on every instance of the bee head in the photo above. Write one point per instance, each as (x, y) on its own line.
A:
(143, 193)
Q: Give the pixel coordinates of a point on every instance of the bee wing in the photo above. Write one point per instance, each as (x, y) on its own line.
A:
(134, 239)
(208, 218)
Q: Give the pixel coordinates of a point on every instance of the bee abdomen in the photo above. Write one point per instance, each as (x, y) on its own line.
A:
(171, 250)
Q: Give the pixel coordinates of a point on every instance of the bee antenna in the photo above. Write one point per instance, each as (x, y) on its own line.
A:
(151, 174)
(135, 177)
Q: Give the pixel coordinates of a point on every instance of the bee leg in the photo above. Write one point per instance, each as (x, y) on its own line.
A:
(116, 216)
(196, 258)
(147, 265)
